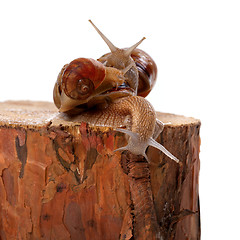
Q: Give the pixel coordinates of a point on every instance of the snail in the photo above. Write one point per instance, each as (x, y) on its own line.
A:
(110, 92)
(82, 81)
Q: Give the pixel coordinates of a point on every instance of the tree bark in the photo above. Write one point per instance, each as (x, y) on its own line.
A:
(63, 180)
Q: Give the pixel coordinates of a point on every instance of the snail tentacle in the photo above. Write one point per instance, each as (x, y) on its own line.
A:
(129, 51)
(105, 39)
(138, 147)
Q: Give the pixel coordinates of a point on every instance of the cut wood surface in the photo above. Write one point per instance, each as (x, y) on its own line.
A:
(62, 179)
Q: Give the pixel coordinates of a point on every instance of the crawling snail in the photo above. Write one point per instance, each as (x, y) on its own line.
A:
(110, 92)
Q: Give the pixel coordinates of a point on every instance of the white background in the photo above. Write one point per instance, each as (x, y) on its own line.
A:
(196, 45)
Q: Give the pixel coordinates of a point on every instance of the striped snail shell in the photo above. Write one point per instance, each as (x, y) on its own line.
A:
(147, 71)
(78, 79)
(81, 77)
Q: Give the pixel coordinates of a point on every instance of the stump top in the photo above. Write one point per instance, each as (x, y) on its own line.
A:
(36, 114)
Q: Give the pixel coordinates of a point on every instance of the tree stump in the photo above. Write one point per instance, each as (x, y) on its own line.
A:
(63, 180)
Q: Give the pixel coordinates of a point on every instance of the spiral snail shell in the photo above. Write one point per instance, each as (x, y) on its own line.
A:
(78, 79)
(81, 77)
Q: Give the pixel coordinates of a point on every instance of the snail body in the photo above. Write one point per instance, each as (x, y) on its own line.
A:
(110, 92)
(142, 75)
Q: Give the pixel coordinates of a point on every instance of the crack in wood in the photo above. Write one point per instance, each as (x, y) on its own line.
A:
(64, 163)
(145, 225)
(62, 142)
(21, 149)
(177, 218)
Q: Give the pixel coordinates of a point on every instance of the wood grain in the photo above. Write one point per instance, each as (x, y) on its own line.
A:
(63, 180)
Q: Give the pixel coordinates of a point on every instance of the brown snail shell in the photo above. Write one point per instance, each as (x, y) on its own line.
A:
(147, 71)
(81, 77)
(58, 88)
(78, 79)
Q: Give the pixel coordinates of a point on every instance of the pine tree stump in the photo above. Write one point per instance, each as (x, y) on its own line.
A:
(63, 180)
